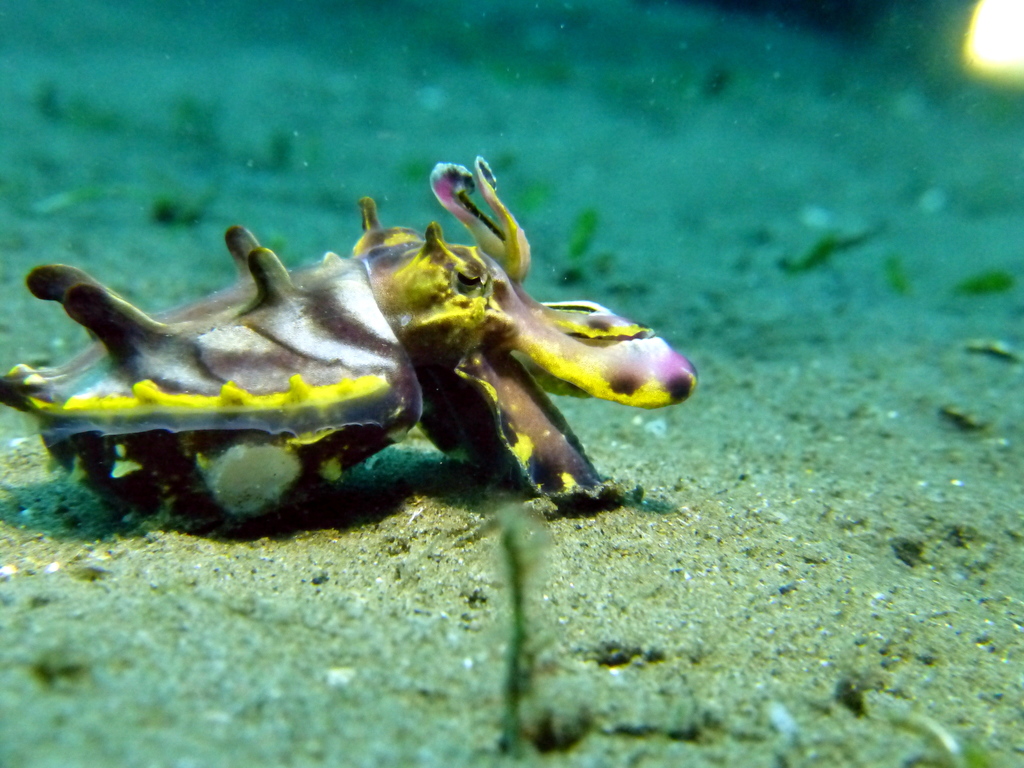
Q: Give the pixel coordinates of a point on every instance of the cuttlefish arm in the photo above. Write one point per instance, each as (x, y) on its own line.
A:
(599, 353)
(500, 238)
(510, 426)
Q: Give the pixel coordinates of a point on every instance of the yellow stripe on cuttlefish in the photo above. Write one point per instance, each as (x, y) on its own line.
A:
(146, 394)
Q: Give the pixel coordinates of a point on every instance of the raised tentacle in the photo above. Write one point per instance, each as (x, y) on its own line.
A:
(452, 185)
(273, 283)
(368, 211)
(120, 326)
(374, 235)
(52, 281)
(503, 240)
(516, 260)
(240, 242)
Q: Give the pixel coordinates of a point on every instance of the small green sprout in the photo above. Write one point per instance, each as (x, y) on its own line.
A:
(896, 275)
(520, 541)
(179, 210)
(981, 283)
(581, 236)
(534, 197)
(823, 249)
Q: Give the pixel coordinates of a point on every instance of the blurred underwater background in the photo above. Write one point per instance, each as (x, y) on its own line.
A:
(820, 203)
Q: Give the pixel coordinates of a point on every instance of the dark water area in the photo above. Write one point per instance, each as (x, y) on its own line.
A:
(819, 204)
(852, 18)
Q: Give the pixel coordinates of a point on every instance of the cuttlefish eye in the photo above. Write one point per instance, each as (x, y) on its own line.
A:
(470, 285)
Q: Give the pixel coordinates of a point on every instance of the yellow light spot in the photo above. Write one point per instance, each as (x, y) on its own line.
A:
(298, 390)
(995, 42)
(124, 467)
(522, 448)
(232, 394)
(147, 392)
(330, 470)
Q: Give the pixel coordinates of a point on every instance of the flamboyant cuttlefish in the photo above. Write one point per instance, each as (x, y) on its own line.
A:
(266, 392)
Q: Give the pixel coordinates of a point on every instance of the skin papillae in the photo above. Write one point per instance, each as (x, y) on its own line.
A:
(265, 393)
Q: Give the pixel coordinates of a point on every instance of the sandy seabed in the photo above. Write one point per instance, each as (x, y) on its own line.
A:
(828, 564)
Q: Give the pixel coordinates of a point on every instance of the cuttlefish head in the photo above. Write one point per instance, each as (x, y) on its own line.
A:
(484, 350)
